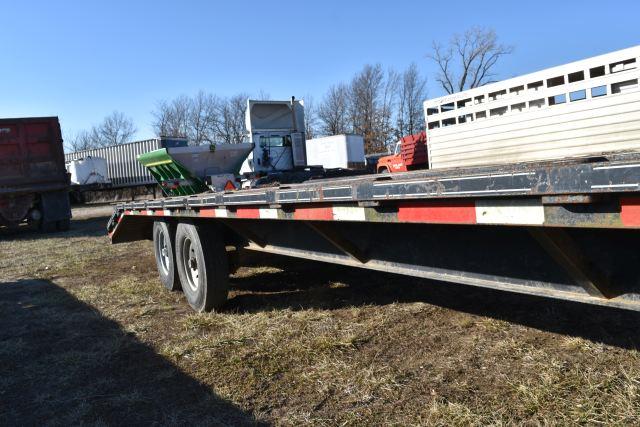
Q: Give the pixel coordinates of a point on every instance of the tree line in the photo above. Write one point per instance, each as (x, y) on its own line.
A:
(382, 105)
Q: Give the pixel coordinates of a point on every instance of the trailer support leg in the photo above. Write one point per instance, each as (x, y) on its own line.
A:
(338, 240)
(566, 252)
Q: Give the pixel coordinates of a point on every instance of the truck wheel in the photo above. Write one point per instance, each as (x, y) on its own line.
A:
(165, 255)
(202, 267)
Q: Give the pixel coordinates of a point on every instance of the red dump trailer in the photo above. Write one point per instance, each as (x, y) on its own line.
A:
(34, 184)
(564, 229)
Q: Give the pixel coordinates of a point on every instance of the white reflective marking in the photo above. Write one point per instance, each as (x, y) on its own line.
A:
(616, 167)
(221, 213)
(166, 212)
(380, 196)
(268, 213)
(529, 212)
(149, 212)
(384, 184)
(245, 194)
(615, 186)
(487, 176)
(348, 213)
(487, 191)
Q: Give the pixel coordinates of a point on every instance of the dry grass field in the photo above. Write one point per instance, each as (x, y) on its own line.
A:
(89, 336)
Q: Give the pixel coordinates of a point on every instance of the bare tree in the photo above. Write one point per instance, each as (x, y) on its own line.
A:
(263, 95)
(310, 117)
(82, 140)
(411, 93)
(468, 60)
(364, 98)
(172, 117)
(333, 111)
(231, 127)
(202, 118)
(115, 129)
(384, 116)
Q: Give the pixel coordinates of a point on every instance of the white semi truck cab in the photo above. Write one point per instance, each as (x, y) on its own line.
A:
(276, 128)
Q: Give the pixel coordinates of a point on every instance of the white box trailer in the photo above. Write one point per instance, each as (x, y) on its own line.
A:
(336, 151)
(585, 108)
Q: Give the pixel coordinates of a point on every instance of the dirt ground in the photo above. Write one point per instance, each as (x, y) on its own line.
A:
(89, 336)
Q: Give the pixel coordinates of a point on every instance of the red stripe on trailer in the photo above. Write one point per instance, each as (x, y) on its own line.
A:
(314, 213)
(630, 211)
(159, 212)
(208, 213)
(127, 212)
(441, 212)
(249, 213)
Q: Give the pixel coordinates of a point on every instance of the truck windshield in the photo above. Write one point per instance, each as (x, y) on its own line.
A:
(275, 141)
(396, 151)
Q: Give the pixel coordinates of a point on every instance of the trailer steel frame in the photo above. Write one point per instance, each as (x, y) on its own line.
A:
(565, 230)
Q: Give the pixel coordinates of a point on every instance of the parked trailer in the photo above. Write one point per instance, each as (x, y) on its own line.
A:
(566, 229)
(583, 108)
(125, 175)
(33, 180)
(122, 167)
(497, 209)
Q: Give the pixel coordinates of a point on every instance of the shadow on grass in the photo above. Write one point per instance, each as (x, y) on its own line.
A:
(85, 227)
(311, 285)
(62, 362)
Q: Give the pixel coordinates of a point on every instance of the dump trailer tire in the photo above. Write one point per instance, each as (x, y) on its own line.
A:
(163, 249)
(202, 264)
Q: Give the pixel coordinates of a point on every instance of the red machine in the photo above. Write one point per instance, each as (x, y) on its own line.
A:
(34, 183)
(410, 153)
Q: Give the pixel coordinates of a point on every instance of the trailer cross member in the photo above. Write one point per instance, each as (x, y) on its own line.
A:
(566, 252)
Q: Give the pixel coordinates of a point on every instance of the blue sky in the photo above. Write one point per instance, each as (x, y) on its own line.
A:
(82, 60)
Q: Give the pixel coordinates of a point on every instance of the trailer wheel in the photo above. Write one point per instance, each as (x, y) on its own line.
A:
(202, 267)
(165, 255)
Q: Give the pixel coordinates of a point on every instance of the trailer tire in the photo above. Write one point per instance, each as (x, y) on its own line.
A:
(163, 249)
(202, 267)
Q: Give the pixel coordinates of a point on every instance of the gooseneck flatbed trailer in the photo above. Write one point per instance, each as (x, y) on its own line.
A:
(533, 187)
(563, 229)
